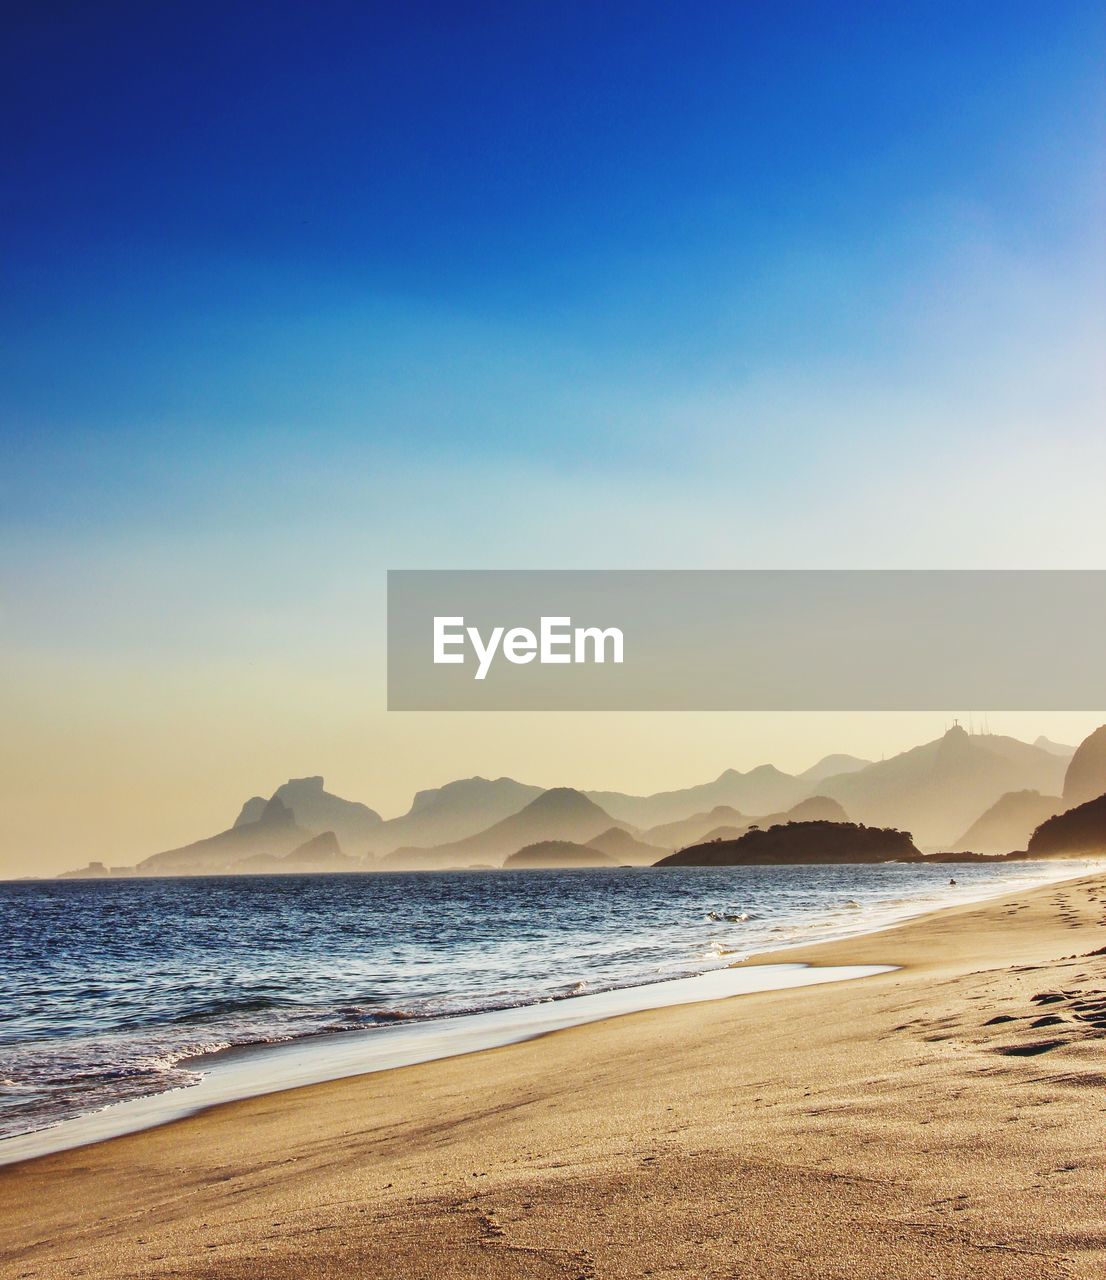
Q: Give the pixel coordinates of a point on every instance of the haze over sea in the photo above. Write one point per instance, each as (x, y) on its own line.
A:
(115, 987)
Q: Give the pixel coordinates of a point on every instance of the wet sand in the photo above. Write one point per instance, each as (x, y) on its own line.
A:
(947, 1119)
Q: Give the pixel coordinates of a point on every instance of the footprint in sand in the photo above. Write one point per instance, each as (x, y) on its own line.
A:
(1028, 1050)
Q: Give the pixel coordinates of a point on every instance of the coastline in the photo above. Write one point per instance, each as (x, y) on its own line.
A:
(879, 1127)
(253, 1068)
(252, 1071)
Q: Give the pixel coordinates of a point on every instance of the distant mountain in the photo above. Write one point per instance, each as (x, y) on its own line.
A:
(761, 790)
(94, 871)
(623, 847)
(812, 809)
(320, 853)
(939, 789)
(1086, 776)
(832, 766)
(690, 830)
(558, 814)
(274, 834)
(559, 853)
(1055, 748)
(1077, 831)
(460, 809)
(726, 823)
(717, 833)
(801, 842)
(320, 850)
(316, 809)
(251, 811)
(1009, 822)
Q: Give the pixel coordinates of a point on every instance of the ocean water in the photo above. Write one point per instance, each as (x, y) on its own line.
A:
(112, 990)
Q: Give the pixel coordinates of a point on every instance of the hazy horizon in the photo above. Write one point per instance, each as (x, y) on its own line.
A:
(145, 809)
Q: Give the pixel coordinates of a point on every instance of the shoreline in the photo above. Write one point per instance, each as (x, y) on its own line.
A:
(242, 1071)
(920, 1122)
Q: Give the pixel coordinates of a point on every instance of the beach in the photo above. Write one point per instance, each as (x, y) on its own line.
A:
(944, 1119)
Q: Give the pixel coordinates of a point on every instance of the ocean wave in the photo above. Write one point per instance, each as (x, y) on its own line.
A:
(322, 956)
(228, 1007)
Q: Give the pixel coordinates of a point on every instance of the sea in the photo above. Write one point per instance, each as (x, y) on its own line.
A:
(113, 991)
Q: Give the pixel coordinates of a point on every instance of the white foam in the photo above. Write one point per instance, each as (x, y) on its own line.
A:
(250, 1072)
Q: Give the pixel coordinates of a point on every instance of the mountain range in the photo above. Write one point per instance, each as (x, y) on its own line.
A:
(726, 823)
(273, 834)
(560, 814)
(936, 791)
(764, 789)
(453, 812)
(980, 792)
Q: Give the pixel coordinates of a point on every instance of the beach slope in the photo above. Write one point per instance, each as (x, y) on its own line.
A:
(947, 1119)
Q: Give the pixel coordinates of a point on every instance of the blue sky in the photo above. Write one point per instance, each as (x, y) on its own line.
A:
(611, 250)
(293, 294)
(221, 221)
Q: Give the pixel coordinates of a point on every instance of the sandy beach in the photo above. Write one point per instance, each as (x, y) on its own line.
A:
(947, 1119)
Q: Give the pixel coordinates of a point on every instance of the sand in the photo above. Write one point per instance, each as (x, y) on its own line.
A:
(886, 1127)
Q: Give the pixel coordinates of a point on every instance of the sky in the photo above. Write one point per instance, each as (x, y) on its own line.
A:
(293, 295)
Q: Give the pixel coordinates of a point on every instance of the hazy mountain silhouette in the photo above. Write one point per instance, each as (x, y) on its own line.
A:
(1009, 822)
(816, 809)
(1076, 831)
(761, 790)
(726, 823)
(460, 809)
(558, 814)
(559, 853)
(322, 850)
(320, 853)
(833, 765)
(316, 809)
(690, 830)
(624, 847)
(1086, 776)
(939, 789)
(1055, 748)
(94, 871)
(812, 809)
(801, 842)
(274, 834)
(251, 811)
